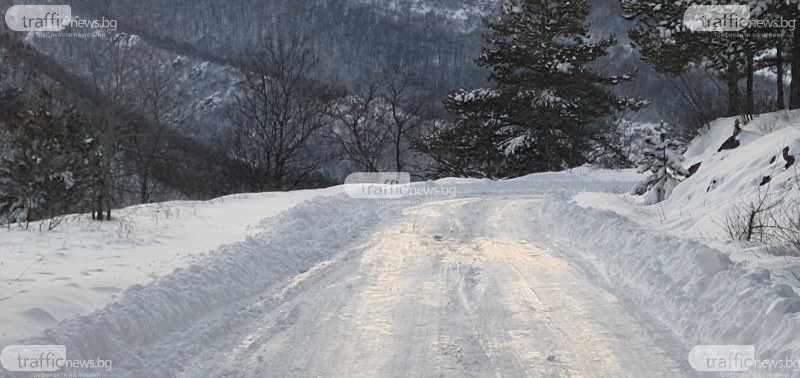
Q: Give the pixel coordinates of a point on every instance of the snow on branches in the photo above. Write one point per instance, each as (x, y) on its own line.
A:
(663, 158)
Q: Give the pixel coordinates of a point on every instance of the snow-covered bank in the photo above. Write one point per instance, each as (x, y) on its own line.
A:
(729, 177)
(291, 244)
(734, 171)
(82, 265)
(693, 290)
(576, 180)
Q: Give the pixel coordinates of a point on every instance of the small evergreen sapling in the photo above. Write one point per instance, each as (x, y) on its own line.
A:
(663, 158)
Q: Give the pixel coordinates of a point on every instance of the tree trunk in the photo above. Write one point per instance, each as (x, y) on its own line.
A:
(98, 211)
(780, 73)
(794, 89)
(733, 90)
(398, 158)
(143, 184)
(751, 103)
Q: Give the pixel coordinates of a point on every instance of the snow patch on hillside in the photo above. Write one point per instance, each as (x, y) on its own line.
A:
(466, 16)
(731, 177)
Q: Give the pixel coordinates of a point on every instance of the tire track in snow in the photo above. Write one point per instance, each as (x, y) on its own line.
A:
(453, 290)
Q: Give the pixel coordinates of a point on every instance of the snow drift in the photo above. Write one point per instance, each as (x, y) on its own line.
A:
(691, 289)
(145, 313)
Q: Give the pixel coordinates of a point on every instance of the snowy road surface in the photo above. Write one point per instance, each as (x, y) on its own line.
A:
(508, 278)
(453, 288)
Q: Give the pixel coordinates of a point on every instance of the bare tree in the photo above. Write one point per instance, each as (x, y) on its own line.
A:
(112, 63)
(786, 219)
(360, 128)
(159, 99)
(752, 220)
(772, 218)
(407, 110)
(280, 108)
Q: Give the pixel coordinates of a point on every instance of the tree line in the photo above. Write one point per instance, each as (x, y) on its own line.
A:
(118, 127)
(730, 57)
(551, 107)
(292, 123)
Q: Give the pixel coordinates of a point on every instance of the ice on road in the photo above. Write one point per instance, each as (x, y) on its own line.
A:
(454, 289)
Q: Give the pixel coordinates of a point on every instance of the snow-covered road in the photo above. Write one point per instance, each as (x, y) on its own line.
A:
(453, 288)
(507, 278)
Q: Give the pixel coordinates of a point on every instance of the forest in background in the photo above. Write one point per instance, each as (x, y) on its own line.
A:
(199, 100)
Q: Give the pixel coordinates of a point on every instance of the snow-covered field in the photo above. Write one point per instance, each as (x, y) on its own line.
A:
(556, 274)
(48, 276)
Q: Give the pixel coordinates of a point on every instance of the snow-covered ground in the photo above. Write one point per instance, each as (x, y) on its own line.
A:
(48, 276)
(556, 274)
(727, 180)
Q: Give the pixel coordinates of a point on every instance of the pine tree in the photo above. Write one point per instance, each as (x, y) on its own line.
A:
(467, 147)
(664, 160)
(48, 172)
(544, 109)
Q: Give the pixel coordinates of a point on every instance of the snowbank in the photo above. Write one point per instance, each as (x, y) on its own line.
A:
(82, 265)
(692, 289)
(236, 271)
(733, 177)
(585, 178)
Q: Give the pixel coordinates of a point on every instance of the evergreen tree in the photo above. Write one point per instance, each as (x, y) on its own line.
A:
(543, 113)
(664, 160)
(467, 146)
(48, 172)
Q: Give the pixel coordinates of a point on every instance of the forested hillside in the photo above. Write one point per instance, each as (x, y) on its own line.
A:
(198, 99)
(352, 37)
